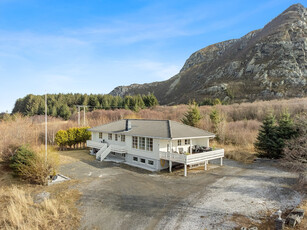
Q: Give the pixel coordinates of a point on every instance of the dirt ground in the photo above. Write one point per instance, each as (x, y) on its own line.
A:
(117, 196)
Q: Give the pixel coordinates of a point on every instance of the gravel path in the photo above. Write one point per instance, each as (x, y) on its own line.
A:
(116, 196)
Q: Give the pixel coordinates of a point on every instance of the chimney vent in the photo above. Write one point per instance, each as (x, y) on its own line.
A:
(128, 125)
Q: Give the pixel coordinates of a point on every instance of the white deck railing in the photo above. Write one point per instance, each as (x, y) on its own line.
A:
(192, 158)
(99, 145)
(94, 144)
(176, 157)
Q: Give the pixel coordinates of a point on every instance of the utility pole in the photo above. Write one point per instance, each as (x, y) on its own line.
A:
(46, 110)
(78, 115)
(84, 116)
(79, 107)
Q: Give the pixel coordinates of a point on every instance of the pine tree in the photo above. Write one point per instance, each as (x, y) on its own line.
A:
(268, 142)
(64, 112)
(286, 128)
(215, 118)
(192, 116)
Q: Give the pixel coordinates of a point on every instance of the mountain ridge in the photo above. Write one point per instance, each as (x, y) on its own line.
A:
(266, 63)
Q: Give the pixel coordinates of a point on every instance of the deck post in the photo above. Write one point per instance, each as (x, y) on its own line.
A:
(170, 166)
(221, 161)
(191, 146)
(206, 165)
(185, 169)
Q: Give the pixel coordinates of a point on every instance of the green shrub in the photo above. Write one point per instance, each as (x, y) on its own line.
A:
(34, 166)
(72, 137)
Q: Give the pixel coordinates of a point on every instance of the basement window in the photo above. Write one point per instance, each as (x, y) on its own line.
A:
(150, 162)
(135, 159)
(143, 160)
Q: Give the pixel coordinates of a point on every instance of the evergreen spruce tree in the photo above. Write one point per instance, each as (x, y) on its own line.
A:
(215, 119)
(192, 116)
(267, 143)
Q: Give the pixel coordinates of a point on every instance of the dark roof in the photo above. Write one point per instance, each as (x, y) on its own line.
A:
(163, 129)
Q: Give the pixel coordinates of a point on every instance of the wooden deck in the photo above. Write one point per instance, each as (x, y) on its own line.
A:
(192, 159)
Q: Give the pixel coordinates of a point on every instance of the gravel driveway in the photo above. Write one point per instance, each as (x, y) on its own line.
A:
(116, 196)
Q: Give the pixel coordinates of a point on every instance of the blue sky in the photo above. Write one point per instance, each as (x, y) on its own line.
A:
(93, 46)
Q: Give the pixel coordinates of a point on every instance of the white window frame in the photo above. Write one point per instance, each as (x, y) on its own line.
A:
(142, 143)
(100, 135)
(149, 144)
(116, 137)
(179, 142)
(123, 138)
(135, 142)
(187, 141)
(110, 136)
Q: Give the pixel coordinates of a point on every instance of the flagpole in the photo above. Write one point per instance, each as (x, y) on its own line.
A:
(46, 128)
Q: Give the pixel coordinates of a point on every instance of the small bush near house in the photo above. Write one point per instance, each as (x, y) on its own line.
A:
(72, 137)
(33, 166)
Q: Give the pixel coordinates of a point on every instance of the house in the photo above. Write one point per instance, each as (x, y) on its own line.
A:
(153, 144)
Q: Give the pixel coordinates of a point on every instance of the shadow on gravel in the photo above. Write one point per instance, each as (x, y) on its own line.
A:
(109, 164)
(142, 205)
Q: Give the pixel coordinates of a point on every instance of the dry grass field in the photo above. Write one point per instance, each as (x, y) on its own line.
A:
(19, 210)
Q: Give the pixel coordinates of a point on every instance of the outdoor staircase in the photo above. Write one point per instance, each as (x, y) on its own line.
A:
(103, 152)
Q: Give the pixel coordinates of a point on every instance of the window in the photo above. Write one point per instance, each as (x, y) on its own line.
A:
(179, 142)
(143, 160)
(123, 138)
(187, 141)
(116, 137)
(149, 144)
(100, 135)
(110, 136)
(142, 143)
(150, 162)
(135, 142)
(135, 159)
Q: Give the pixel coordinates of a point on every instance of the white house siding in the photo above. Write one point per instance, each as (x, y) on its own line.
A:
(132, 152)
(158, 145)
(201, 141)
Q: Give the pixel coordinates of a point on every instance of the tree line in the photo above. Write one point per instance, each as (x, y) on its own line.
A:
(72, 137)
(64, 105)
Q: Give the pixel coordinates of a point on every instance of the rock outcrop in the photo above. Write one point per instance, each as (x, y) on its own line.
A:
(264, 64)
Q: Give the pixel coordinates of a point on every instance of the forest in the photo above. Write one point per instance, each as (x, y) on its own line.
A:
(64, 105)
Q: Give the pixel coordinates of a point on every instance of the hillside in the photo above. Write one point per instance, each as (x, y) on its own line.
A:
(264, 64)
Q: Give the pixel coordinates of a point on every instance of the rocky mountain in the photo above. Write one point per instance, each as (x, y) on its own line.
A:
(264, 64)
